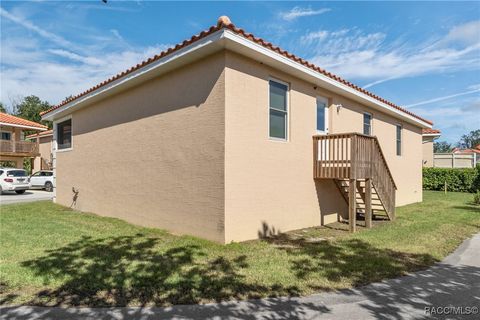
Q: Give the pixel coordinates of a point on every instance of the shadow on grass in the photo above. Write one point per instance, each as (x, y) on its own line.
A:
(132, 270)
(127, 270)
(353, 260)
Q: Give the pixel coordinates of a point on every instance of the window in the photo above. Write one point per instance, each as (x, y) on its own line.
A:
(6, 135)
(278, 110)
(322, 115)
(16, 173)
(36, 174)
(64, 134)
(367, 123)
(399, 140)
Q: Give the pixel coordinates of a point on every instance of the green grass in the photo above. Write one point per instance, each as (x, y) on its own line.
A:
(51, 255)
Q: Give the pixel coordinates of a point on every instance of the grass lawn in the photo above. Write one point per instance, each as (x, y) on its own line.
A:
(51, 255)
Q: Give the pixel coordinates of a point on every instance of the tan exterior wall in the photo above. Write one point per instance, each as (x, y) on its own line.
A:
(45, 150)
(153, 155)
(427, 151)
(269, 185)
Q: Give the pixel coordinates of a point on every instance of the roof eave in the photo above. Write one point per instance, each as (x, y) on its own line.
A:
(225, 38)
(22, 126)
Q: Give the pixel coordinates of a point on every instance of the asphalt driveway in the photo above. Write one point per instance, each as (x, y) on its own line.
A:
(9, 197)
(453, 282)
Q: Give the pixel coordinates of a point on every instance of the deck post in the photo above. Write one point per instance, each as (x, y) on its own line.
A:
(352, 205)
(368, 203)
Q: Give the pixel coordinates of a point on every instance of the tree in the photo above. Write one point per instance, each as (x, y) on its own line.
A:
(30, 107)
(470, 140)
(442, 147)
(2, 108)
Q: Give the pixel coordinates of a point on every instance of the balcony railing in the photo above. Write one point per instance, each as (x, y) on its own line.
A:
(25, 148)
(354, 156)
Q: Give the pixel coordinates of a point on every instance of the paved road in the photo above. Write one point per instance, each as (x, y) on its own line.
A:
(9, 197)
(455, 281)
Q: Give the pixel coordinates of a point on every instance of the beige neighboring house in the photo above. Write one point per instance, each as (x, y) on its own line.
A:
(228, 137)
(44, 141)
(13, 147)
(428, 137)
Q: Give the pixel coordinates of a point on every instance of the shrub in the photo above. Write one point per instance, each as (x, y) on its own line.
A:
(461, 180)
(476, 198)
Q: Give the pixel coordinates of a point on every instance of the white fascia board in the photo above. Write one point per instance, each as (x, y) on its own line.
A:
(322, 80)
(431, 134)
(22, 126)
(149, 71)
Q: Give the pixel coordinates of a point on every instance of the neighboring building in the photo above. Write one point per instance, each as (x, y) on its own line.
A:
(428, 137)
(228, 137)
(44, 141)
(13, 147)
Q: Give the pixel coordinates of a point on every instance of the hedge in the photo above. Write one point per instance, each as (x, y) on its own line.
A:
(461, 180)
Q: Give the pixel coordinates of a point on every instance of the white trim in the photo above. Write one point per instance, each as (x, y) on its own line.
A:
(10, 132)
(210, 39)
(287, 111)
(229, 35)
(371, 123)
(55, 129)
(401, 139)
(232, 41)
(431, 134)
(326, 109)
(22, 126)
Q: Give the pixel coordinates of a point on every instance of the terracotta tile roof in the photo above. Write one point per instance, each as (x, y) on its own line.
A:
(41, 134)
(224, 22)
(12, 120)
(458, 150)
(430, 131)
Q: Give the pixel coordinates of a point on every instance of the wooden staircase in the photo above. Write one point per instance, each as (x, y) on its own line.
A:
(377, 207)
(357, 165)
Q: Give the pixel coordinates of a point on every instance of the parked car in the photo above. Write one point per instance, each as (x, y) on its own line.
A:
(42, 179)
(12, 179)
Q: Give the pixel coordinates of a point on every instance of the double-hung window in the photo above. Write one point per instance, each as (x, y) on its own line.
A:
(399, 139)
(278, 109)
(64, 134)
(367, 123)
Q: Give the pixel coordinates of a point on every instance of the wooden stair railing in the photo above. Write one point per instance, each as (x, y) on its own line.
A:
(355, 157)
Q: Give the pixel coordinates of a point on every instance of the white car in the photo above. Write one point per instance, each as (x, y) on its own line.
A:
(42, 179)
(12, 179)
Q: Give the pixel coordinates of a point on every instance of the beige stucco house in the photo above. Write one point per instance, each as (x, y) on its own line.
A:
(44, 140)
(428, 138)
(228, 137)
(14, 149)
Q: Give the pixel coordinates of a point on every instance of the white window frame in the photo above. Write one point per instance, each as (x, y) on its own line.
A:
(371, 123)
(287, 111)
(10, 132)
(55, 130)
(325, 100)
(401, 139)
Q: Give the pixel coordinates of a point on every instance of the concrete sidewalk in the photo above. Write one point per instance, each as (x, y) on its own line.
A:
(453, 282)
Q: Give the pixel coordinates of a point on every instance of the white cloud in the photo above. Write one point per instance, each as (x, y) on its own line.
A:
(354, 54)
(298, 12)
(442, 98)
(468, 33)
(32, 27)
(51, 70)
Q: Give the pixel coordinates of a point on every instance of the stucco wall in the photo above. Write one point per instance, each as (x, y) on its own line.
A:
(427, 151)
(269, 184)
(45, 150)
(153, 155)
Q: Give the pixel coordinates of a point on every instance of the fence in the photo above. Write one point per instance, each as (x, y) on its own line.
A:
(454, 160)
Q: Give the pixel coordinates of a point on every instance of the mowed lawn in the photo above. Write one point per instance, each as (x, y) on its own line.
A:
(51, 255)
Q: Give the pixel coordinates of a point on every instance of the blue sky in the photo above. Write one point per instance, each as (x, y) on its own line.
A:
(422, 55)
